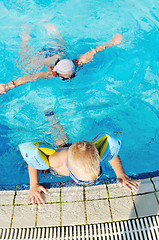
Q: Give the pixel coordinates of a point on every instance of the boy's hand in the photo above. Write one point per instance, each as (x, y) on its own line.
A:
(127, 182)
(116, 39)
(35, 194)
(2, 88)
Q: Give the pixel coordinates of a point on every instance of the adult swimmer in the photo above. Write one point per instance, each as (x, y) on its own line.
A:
(55, 60)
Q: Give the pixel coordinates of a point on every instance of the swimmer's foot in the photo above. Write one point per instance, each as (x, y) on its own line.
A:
(25, 35)
(51, 116)
(51, 29)
(49, 113)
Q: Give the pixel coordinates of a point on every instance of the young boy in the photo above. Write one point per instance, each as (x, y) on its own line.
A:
(55, 60)
(80, 161)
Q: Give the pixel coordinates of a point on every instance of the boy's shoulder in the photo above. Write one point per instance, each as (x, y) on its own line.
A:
(59, 158)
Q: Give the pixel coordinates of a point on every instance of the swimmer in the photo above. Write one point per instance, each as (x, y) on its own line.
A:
(80, 161)
(54, 59)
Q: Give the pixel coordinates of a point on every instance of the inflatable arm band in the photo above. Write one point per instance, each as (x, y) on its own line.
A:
(108, 144)
(36, 154)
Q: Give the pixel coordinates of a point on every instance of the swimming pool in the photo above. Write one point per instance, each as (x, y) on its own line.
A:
(118, 90)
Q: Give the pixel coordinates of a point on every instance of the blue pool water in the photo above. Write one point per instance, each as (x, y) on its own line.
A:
(118, 90)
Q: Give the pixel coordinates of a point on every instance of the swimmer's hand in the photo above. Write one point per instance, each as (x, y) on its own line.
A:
(3, 89)
(35, 194)
(127, 182)
(116, 39)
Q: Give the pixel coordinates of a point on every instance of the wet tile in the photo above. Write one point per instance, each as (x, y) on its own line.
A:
(156, 183)
(146, 205)
(24, 216)
(49, 215)
(72, 194)
(116, 191)
(96, 192)
(157, 194)
(122, 208)
(6, 197)
(5, 216)
(21, 197)
(145, 186)
(98, 211)
(73, 213)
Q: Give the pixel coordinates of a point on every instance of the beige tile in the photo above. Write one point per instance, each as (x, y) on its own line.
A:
(96, 192)
(6, 197)
(156, 182)
(5, 216)
(52, 196)
(21, 197)
(116, 191)
(145, 186)
(98, 211)
(72, 194)
(49, 215)
(157, 194)
(122, 208)
(24, 216)
(73, 213)
(146, 205)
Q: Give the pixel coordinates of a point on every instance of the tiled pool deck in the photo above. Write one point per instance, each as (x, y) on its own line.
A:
(67, 206)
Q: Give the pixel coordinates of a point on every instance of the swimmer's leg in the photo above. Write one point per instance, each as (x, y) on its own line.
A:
(25, 53)
(25, 37)
(27, 61)
(54, 34)
(52, 30)
(55, 48)
(58, 134)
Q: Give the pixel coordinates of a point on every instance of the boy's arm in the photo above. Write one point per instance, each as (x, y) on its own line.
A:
(22, 80)
(87, 57)
(35, 188)
(122, 178)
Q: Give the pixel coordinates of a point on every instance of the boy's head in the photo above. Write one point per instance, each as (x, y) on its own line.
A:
(83, 161)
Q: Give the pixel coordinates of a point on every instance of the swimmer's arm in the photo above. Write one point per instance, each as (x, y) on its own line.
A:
(25, 79)
(122, 178)
(35, 188)
(87, 57)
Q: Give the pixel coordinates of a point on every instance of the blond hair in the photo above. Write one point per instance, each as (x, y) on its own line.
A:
(84, 156)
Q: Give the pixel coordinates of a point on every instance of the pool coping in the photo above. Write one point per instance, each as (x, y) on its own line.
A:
(72, 183)
(95, 204)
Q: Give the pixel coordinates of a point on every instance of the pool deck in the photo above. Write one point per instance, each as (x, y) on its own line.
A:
(69, 206)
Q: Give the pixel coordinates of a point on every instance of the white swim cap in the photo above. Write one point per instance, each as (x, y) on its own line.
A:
(64, 66)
